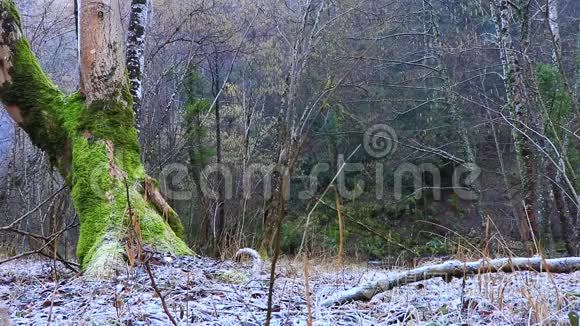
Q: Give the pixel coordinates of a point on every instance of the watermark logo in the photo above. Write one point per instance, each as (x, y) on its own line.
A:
(261, 180)
(380, 141)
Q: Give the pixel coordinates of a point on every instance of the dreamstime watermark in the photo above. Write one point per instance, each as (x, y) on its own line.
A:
(261, 180)
(380, 141)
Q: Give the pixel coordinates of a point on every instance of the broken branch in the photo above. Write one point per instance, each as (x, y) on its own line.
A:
(454, 269)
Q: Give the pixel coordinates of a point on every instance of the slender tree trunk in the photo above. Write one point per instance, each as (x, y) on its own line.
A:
(577, 82)
(457, 115)
(219, 223)
(136, 54)
(534, 108)
(90, 138)
(569, 233)
(290, 143)
(248, 119)
(340, 228)
(506, 182)
(517, 101)
(552, 8)
(271, 206)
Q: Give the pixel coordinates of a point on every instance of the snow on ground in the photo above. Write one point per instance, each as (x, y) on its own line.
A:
(201, 291)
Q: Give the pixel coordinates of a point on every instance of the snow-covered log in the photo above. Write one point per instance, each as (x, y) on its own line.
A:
(454, 269)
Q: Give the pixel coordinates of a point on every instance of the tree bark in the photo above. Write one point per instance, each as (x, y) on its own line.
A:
(568, 232)
(517, 101)
(552, 8)
(90, 137)
(457, 116)
(102, 55)
(136, 54)
(220, 215)
(454, 269)
(340, 228)
(289, 136)
(577, 79)
(503, 172)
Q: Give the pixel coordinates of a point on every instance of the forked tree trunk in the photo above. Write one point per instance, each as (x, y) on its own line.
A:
(90, 137)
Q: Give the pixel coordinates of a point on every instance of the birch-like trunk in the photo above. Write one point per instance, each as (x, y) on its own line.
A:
(516, 90)
(556, 173)
(136, 53)
(554, 29)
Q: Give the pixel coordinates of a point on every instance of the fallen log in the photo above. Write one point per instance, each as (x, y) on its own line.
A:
(454, 269)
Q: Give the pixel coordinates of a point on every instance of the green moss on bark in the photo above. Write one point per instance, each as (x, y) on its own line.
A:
(101, 199)
(77, 138)
(115, 120)
(12, 11)
(154, 229)
(103, 206)
(90, 180)
(40, 102)
(175, 223)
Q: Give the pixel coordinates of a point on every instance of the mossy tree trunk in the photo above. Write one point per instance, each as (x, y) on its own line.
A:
(90, 138)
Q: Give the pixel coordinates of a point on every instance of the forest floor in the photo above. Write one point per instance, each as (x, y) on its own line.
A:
(201, 291)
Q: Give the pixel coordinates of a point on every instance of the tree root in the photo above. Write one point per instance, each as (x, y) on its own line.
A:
(154, 196)
(454, 269)
(108, 260)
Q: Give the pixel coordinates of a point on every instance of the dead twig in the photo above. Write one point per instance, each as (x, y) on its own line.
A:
(34, 210)
(156, 289)
(307, 290)
(48, 243)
